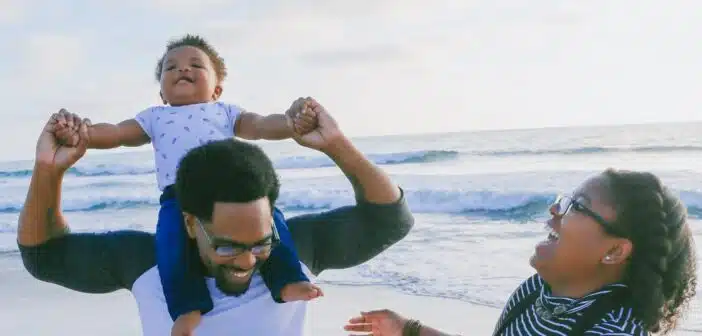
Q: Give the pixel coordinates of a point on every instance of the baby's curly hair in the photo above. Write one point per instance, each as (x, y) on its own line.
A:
(661, 274)
(199, 42)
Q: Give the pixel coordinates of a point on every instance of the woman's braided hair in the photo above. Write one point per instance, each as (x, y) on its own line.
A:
(661, 271)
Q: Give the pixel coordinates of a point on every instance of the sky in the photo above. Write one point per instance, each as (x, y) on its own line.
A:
(379, 66)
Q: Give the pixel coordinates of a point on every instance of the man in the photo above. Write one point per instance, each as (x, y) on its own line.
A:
(218, 218)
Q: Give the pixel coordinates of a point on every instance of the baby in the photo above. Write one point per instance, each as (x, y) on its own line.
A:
(191, 73)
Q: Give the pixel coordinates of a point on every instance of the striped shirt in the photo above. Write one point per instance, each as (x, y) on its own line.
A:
(618, 322)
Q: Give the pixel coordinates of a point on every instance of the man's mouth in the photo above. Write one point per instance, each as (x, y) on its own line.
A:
(238, 273)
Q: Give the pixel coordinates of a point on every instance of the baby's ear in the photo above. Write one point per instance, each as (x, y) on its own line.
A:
(162, 99)
(217, 92)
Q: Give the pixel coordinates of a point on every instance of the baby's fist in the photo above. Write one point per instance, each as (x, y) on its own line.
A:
(66, 135)
(305, 121)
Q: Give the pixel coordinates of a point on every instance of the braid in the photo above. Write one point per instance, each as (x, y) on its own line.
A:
(661, 271)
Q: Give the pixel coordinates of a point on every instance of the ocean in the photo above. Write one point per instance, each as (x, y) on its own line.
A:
(480, 198)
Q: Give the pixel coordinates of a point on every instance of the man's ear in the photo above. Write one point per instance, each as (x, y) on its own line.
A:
(189, 222)
(217, 92)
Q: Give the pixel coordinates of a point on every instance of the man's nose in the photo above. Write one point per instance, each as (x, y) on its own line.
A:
(245, 260)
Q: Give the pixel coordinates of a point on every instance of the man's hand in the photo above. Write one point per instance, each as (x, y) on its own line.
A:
(50, 153)
(322, 136)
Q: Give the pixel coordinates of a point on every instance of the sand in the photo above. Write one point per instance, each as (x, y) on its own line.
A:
(30, 307)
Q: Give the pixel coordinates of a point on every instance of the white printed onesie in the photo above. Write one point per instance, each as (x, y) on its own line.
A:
(175, 130)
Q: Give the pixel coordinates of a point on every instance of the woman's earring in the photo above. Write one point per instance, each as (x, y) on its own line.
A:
(608, 258)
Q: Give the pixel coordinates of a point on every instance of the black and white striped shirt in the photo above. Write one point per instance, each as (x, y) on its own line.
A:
(618, 322)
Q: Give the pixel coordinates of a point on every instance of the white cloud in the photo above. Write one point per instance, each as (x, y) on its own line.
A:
(52, 56)
(467, 63)
(390, 66)
(358, 55)
(48, 70)
(12, 11)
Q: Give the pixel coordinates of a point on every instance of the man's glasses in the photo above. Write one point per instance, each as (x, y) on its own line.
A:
(230, 250)
(563, 204)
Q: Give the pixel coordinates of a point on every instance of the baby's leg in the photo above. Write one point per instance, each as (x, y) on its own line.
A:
(178, 264)
(284, 277)
(283, 273)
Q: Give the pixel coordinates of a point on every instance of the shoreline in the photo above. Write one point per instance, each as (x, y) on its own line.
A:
(27, 300)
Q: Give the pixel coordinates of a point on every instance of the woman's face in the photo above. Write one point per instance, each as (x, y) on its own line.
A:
(578, 243)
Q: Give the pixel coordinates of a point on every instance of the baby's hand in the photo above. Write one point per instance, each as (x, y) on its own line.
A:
(66, 135)
(300, 291)
(305, 121)
(302, 118)
(66, 128)
(185, 324)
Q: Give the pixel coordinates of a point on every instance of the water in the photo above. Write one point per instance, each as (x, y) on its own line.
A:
(480, 198)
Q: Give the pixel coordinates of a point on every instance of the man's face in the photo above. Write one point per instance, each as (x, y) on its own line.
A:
(235, 243)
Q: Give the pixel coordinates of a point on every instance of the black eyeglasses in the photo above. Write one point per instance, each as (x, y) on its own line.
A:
(231, 249)
(563, 204)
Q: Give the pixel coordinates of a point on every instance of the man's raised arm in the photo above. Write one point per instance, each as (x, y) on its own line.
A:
(84, 262)
(41, 219)
(348, 236)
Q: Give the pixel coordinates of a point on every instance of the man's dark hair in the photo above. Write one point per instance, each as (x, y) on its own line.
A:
(196, 42)
(228, 170)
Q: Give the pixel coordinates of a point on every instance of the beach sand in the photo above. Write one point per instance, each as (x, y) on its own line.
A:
(30, 307)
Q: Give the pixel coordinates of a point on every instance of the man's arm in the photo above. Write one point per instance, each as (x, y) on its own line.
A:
(40, 218)
(92, 263)
(348, 236)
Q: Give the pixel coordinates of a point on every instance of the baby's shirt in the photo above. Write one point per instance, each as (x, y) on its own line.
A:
(175, 130)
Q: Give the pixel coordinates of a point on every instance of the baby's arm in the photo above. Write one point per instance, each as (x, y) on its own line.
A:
(298, 119)
(127, 133)
(253, 126)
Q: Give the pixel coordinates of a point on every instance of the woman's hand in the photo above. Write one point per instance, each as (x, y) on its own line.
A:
(378, 323)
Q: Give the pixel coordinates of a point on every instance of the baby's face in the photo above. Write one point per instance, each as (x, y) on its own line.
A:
(188, 77)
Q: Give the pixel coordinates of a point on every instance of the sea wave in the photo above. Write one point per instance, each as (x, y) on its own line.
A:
(589, 150)
(496, 205)
(422, 156)
(290, 162)
(87, 170)
(395, 158)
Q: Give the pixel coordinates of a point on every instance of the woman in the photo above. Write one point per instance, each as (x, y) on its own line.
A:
(619, 260)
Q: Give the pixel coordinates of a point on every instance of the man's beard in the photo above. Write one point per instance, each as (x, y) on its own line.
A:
(227, 287)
